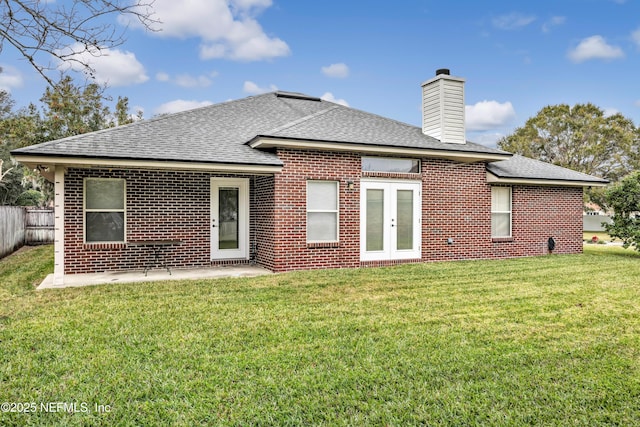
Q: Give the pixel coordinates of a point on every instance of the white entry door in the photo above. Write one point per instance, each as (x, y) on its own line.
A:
(390, 218)
(229, 218)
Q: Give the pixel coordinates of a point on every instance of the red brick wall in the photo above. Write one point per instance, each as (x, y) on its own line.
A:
(540, 213)
(291, 251)
(160, 206)
(262, 210)
(456, 204)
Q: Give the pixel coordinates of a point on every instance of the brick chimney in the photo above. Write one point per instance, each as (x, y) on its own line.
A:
(443, 108)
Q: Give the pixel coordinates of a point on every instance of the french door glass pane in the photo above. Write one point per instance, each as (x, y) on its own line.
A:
(404, 213)
(375, 218)
(228, 218)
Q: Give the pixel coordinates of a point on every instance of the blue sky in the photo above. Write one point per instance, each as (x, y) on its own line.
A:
(516, 57)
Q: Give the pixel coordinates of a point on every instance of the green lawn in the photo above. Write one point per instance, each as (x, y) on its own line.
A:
(552, 340)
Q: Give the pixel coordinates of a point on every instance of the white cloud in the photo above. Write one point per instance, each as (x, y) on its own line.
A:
(10, 78)
(637, 103)
(553, 22)
(635, 36)
(594, 47)
(187, 80)
(328, 96)
(162, 77)
(111, 66)
(339, 71)
(608, 112)
(512, 21)
(226, 28)
(180, 105)
(254, 89)
(485, 115)
(489, 139)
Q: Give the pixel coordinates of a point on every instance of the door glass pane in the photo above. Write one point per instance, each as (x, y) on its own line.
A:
(404, 215)
(375, 218)
(228, 218)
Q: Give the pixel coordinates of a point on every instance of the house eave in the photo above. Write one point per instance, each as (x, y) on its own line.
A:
(265, 142)
(493, 179)
(41, 161)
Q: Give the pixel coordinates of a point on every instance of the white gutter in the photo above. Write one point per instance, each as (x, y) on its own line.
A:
(461, 156)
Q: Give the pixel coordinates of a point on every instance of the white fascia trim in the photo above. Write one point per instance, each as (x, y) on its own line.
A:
(33, 161)
(492, 179)
(460, 156)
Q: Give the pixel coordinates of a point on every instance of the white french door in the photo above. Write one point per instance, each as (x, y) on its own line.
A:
(390, 218)
(229, 218)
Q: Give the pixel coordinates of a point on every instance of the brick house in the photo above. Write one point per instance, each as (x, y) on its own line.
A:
(290, 181)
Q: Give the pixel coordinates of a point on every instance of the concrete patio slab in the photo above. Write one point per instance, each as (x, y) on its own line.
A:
(76, 280)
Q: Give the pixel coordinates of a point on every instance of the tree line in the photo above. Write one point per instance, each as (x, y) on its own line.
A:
(66, 110)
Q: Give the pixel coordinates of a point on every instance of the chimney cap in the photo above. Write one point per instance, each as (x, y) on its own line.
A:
(444, 71)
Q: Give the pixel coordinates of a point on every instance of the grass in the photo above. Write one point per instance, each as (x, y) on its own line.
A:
(552, 340)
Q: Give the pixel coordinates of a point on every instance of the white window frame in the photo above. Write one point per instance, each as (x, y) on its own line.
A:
(336, 210)
(85, 210)
(510, 212)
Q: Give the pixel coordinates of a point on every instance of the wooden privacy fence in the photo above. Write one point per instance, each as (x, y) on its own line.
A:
(20, 226)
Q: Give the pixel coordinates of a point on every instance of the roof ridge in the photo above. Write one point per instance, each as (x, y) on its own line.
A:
(300, 120)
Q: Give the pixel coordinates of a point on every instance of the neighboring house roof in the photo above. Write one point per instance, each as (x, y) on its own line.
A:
(233, 133)
(519, 168)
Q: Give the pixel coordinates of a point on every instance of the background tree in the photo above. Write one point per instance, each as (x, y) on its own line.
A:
(64, 30)
(581, 138)
(66, 110)
(624, 199)
(70, 110)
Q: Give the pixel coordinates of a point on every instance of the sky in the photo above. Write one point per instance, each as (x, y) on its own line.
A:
(516, 57)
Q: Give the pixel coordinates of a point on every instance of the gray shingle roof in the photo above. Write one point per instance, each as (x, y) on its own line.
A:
(519, 167)
(219, 133)
(343, 124)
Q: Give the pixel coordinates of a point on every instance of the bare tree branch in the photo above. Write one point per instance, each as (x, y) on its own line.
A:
(66, 31)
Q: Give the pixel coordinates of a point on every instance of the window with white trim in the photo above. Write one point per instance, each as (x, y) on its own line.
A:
(322, 211)
(104, 210)
(390, 164)
(500, 211)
